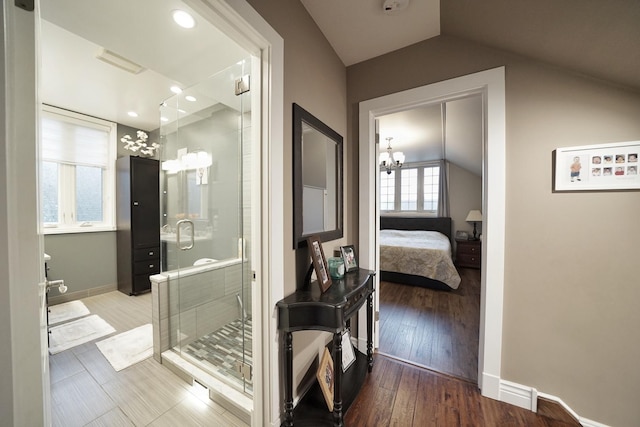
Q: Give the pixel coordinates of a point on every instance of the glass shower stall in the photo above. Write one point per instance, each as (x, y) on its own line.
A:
(206, 218)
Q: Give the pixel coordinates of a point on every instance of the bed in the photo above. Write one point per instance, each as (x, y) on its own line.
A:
(417, 251)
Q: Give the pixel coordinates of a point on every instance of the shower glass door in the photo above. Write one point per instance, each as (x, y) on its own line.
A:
(206, 221)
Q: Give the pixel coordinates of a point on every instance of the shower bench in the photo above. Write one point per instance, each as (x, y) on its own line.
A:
(309, 309)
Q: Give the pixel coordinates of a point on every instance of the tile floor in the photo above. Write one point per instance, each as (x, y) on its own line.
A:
(87, 391)
(220, 350)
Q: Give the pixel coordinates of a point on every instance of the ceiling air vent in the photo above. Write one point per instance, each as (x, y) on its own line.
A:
(116, 60)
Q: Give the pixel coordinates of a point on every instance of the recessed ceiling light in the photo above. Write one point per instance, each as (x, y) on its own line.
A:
(132, 114)
(164, 119)
(181, 111)
(184, 19)
(175, 89)
(190, 98)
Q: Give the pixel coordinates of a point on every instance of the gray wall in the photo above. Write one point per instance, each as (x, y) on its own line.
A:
(571, 281)
(86, 261)
(314, 78)
(465, 194)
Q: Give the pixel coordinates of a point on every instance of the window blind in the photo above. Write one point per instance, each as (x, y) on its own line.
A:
(73, 140)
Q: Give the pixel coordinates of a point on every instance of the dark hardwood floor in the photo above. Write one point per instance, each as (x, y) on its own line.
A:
(435, 329)
(401, 394)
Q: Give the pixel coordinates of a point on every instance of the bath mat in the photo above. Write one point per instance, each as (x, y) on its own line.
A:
(67, 311)
(128, 348)
(76, 332)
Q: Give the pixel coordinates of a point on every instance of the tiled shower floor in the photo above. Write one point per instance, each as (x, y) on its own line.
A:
(219, 351)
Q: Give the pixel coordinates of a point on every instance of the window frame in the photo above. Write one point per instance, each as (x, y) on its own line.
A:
(419, 211)
(67, 179)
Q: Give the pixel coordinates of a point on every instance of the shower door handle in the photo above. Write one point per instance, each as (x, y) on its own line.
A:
(188, 225)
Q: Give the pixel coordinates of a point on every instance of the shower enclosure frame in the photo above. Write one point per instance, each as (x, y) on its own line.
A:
(208, 191)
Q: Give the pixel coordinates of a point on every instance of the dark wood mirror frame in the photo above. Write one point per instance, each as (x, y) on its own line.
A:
(300, 117)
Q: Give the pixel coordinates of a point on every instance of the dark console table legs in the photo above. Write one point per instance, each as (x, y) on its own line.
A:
(330, 311)
(288, 375)
(337, 374)
(370, 332)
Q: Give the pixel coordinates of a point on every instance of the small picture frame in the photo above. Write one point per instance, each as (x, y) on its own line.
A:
(348, 355)
(326, 377)
(349, 257)
(462, 235)
(319, 263)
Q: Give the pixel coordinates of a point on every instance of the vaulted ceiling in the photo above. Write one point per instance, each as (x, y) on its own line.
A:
(594, 37)
(597, 38)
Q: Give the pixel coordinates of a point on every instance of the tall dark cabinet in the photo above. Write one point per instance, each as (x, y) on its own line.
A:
(138, 222)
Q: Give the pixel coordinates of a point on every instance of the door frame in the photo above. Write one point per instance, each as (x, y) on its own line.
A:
(23, 257)
(26, 384)
(491, 84)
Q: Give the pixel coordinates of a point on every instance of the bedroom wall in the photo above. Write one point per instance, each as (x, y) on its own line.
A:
(571, 281)
(465, 194)
(314, 78)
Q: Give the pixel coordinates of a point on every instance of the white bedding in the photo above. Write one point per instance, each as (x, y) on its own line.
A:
(418, 252)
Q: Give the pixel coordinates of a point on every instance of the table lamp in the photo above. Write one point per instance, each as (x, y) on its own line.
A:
(474, 216)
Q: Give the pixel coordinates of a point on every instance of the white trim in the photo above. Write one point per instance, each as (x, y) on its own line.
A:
(527, 398)
(519, 395)
(584, 421)
(590, 423)
(242, 23)
(491, 85)
(271, 271)
(25, 358)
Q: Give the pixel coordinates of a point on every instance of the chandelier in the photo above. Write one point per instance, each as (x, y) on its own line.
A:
(389, 160)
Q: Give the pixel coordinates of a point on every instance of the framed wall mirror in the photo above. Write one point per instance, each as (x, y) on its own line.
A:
(317, 179)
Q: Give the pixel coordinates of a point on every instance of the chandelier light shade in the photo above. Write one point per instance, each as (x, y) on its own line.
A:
(389, 160)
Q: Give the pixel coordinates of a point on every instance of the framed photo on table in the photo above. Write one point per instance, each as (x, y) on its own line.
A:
(601, 167)
(325, 376)
(319, 263)
(349, 258)
(348, 355)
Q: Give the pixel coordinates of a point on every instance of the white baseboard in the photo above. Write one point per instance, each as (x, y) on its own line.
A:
(490, 386)
(519, 395)
(55, 298)
(361, 344)
(527, 397)
(590, 423)
(584, 421)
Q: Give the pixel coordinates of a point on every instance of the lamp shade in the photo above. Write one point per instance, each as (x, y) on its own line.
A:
(474, 216)
(384, 157)
(398, 156)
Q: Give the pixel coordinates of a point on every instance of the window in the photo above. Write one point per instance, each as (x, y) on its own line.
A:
(387, 191)
(431, 188)
(409, 190)
(76, 172)
(414, 189)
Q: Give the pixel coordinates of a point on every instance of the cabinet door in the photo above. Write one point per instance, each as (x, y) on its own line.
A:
(145, 202)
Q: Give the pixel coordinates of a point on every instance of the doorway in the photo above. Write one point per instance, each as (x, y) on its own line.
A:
(131, 78)
(431, 325)
(20, 28)
(491, 85)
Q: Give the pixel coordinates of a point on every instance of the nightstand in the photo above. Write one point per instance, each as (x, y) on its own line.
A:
(468, 253)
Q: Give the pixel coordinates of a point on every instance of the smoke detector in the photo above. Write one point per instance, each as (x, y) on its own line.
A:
(392, 6)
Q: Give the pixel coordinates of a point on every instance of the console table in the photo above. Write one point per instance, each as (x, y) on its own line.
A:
(309, 309)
